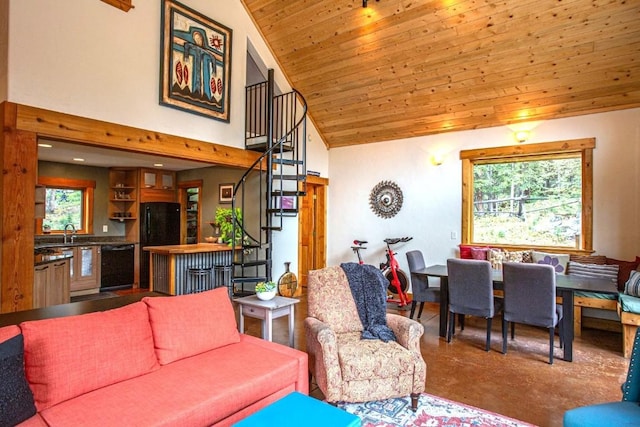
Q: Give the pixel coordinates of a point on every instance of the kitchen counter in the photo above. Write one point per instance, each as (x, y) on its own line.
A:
(188, 249)
(40, 259)
(176, 269)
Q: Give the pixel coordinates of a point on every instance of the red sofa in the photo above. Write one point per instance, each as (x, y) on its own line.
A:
(162, 361)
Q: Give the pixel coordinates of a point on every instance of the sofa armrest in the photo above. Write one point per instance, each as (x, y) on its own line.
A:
(322, 346)
(407, 331)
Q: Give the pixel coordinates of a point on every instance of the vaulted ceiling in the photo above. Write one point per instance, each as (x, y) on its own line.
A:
(405, 68)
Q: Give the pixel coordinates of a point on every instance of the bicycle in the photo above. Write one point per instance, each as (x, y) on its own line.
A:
(398, 280)
(357, 246)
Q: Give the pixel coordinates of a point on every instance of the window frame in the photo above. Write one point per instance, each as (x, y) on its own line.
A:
(548, 150)
(86, 186)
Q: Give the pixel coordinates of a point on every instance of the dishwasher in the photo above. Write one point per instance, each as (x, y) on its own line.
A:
(117, 266)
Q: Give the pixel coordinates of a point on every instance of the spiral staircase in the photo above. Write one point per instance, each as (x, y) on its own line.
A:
(275, 125)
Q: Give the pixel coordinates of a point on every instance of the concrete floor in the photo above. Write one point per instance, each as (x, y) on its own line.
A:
(520, 384)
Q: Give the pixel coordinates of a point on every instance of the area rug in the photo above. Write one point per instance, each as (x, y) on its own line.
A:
(432, 411)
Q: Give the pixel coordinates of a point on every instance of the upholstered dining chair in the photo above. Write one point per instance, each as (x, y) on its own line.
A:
(421, 290)
(624, 413)
(471, 293)
(530, 298)
(348, 368)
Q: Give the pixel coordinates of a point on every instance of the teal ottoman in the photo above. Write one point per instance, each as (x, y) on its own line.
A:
(295, 410)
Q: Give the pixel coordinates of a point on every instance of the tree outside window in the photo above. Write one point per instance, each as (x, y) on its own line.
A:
(529, 196)
(67, 201)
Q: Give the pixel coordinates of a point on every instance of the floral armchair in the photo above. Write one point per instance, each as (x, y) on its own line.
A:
(348, 368)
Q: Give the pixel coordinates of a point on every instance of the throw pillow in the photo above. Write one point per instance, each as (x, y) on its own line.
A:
(187, 325)
(16, 399)
(632, 287)
(626, 267)
(496, 257)
(517, 256)
(589, 259)
(557, 261)
(593, 270)
(479, 253)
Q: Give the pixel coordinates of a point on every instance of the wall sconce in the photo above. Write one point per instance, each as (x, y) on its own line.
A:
(522, 135)
(437, 159)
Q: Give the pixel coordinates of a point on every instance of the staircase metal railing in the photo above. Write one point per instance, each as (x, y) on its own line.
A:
(276, 126)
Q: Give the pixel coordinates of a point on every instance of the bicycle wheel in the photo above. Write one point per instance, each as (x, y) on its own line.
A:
(402, 278)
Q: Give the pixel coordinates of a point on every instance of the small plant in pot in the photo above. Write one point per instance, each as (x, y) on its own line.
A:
(266, 290)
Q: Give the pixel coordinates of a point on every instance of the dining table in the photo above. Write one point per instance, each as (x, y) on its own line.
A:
(566, 286)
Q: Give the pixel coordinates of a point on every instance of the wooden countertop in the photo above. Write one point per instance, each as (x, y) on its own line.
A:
(188, 249)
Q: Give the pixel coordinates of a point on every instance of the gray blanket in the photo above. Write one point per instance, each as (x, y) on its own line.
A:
(369, 290)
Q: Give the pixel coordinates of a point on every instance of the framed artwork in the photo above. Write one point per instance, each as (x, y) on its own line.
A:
(225, 193)
(195, 69)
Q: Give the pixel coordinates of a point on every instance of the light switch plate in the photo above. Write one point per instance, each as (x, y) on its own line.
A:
(105, 228)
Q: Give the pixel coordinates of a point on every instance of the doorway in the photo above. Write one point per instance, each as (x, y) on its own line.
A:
(191, 211)
(312, 241)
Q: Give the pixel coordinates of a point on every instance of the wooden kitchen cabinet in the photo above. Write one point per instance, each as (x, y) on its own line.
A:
(85, 266)
(123, 194)
(157, 185)
(51, 285)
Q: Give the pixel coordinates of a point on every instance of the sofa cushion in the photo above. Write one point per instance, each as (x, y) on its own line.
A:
(68, 356)
(186, 325)
(557, 261)
(196, 391)
(632, 287)
(16, 400)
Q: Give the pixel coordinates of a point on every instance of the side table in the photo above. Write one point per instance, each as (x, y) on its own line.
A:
(252, 306)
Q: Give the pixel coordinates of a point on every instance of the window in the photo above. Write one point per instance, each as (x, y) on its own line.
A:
(67, 201)
(537, 195)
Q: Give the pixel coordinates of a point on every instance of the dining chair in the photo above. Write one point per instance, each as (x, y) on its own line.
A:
(530, 298)
(471, 293)
(421, 290)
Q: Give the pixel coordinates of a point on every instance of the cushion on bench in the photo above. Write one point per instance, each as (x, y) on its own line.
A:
(629, 303)
(595, 295)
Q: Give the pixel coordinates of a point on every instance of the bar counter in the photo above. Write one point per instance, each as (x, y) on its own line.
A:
(170, 265)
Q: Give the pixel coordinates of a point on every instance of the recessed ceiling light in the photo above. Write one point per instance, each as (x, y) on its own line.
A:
(158, 165)
(78, 159)
(43, 145)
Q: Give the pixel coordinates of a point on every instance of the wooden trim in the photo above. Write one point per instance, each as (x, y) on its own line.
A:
(317, 180)
(583, 146)
(54, 125)
(556, 147)
(48, 181)
(120, 4)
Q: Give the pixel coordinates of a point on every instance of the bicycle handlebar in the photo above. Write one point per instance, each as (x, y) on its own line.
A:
(393, 241)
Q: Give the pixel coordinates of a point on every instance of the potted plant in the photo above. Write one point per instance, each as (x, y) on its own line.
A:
(266, 290)
(224, 220)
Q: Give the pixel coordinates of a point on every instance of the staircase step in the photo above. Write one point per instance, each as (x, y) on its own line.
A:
(289, 162)
(295, 193)
(255, 263)
(300, 178)
(282, 211)
(253, 279)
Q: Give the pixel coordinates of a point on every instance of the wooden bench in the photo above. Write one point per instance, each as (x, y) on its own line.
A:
(630, 322)
(603, 304)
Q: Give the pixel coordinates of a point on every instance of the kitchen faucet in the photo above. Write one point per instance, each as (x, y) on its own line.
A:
(73, 233)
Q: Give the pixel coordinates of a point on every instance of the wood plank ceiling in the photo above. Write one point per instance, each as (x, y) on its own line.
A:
(406, 68)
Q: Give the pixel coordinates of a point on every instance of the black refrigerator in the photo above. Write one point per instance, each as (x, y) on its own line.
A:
(159, 226)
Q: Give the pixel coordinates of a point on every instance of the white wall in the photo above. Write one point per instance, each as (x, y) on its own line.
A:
(93, 60)
(432, 194)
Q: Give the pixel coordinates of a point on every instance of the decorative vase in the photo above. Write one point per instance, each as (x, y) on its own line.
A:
(288, 283)
(266, 296)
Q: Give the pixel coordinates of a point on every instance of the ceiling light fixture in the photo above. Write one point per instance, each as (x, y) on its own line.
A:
(364, 3)
(522, 135)
(43, 145)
